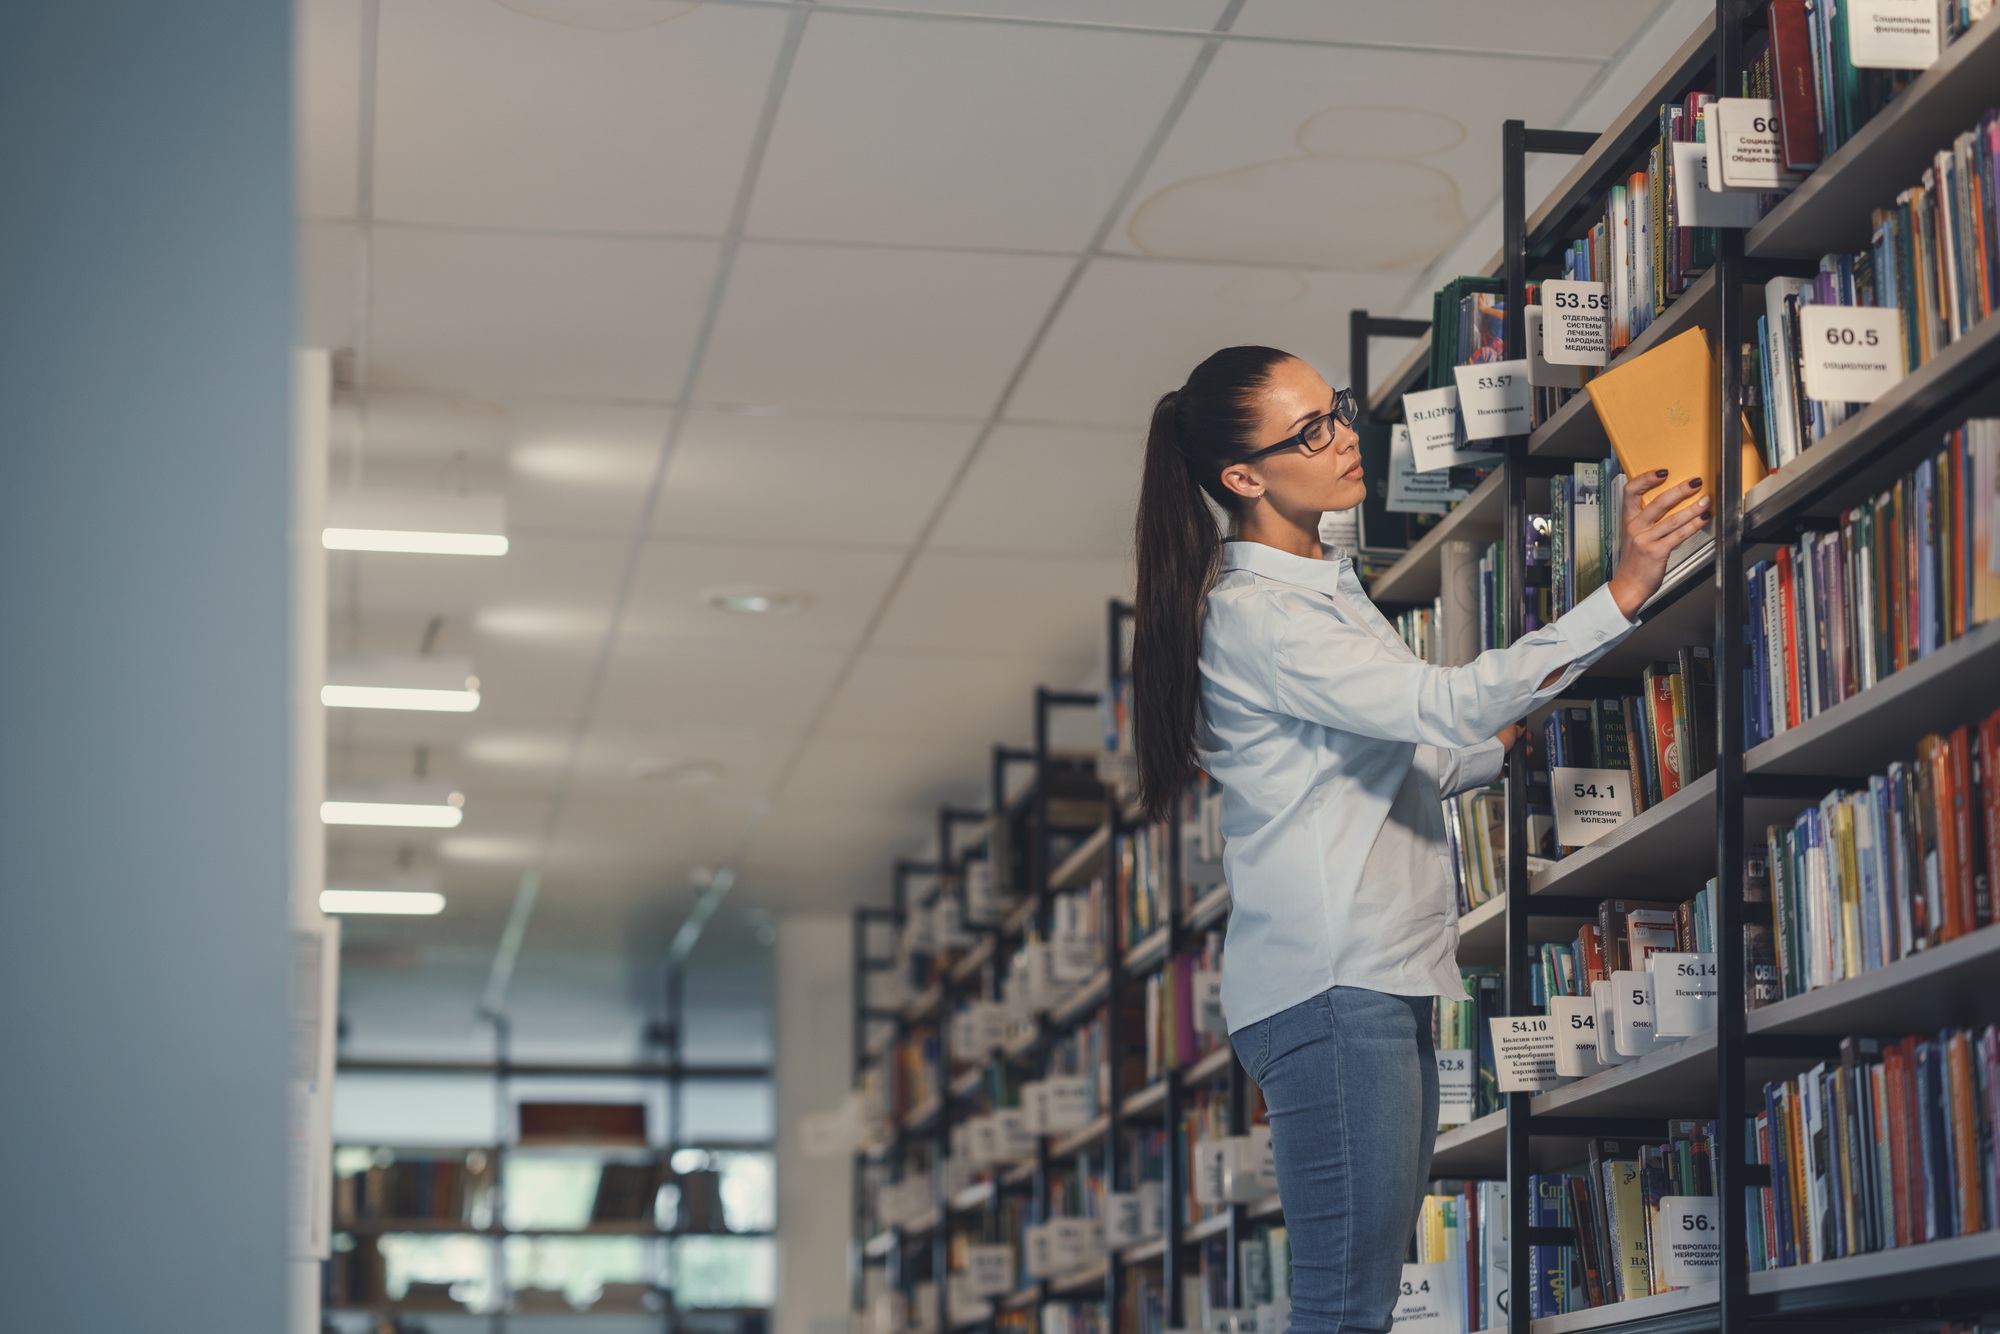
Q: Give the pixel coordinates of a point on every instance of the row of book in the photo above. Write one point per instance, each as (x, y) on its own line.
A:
(1585, 535)
(1664, 737)
(1903, 575)
(1934, 257)
(1144, 866)
(1822, 97)
(432, 1189)
(1183, 1009)
(1867, 877)
(1628, 932)
(1466, 1231)
(1892, 1145)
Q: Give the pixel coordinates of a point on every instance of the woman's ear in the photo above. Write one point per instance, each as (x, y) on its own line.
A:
(1240, 479)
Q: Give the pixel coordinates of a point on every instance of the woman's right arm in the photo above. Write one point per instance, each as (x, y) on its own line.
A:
(1328, 671)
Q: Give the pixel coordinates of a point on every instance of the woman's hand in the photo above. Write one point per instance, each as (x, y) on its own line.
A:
(1650, 538)
(1508, 735)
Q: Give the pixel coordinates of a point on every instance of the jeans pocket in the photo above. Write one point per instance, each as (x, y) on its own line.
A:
(1253, 1047)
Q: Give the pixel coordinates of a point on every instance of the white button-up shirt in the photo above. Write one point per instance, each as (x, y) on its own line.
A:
(1335, 745)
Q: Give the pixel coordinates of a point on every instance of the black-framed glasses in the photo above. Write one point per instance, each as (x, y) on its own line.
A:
(1318, 433)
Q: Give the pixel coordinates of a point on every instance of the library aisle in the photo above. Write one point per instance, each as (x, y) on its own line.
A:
(570, 743)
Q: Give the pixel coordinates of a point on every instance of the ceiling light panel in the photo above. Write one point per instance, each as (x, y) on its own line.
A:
(416, 522)
(413, 805)
(1596, 28)
(431, 684)
(640, 132)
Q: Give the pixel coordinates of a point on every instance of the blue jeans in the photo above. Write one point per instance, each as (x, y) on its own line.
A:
(1352, 1090)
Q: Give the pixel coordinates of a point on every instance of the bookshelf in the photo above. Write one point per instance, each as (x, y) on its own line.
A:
(1666, 852)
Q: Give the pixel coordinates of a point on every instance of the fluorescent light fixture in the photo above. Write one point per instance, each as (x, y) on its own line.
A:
(439, 685)
(755, 601)
(433, 523)
(397, 902)
(399, 806)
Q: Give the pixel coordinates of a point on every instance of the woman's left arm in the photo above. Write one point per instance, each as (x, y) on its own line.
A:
(1470, 767)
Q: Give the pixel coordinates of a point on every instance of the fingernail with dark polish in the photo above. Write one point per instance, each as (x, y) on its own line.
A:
(1694, 481)
(1661, 473)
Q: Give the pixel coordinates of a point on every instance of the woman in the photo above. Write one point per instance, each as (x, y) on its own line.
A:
(1261, 661)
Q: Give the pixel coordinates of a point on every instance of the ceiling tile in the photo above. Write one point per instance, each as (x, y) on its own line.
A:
(971, 702)
(581, 467)
(1049, 489)
(1345, 160)
(1033, 607)
(836, 329)
(1165, 318)
(498, 314)
(842, 774)
(869, 481)
(1144, 13)
(654, 687)
(1557, 27)
(328, 96)
(842, 589)
(495, 118)
(928, 133)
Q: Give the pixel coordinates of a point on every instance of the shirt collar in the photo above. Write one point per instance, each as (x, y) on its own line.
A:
(1320, 575)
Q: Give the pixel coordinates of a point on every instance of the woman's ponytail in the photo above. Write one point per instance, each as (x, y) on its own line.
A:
(1197, 430)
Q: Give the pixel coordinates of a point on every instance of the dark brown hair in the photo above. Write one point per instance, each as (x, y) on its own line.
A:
(1198, 430)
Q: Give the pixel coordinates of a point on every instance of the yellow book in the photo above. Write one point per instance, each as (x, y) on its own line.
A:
(1626, 1206)
(1662, 409)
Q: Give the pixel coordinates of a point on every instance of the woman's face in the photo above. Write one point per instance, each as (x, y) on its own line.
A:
(1296, 483)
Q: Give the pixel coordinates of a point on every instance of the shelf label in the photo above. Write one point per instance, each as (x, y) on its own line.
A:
(1073, 1243)
(1413, 492)
(1543, 373)
(1249, 1172)
(1576, 322)
(1016, 1140)
(989, 1270)
(1456, 1105)
(1035, 1107)
(1435, 434)
(1493, 399)
(1852, 354)
(982, 1139)
(1427, 1299)
(1524, 1053)
(1072, 959)
(1208, 1160)
(1068, 1103)
(1632, 994)
(1684, 993)
(1892, 34)
(1590, 803)
(1124, 1219)
(1745, 129)
(1686, 1232)
(1208, 1003)
(1152, 1209)
(1575, 1018)
(1604, 999)
(1039, 1240)
(1697, 203)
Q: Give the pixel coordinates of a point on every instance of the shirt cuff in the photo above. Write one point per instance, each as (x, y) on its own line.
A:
(1595, 623)
(1479, 765)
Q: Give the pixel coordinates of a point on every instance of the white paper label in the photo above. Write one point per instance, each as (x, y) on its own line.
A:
(1575, 1018)
(1208, 1003)
(1576, 325)
(1684, 993)
(1427, 1300)
(989, 1270)
(1039, 1238)
(1072, 959)
(1432, 416)
(1746, 129)
(1070, 1243)
(1686, 1231)
(1605, 1001)
(1035, 1107)
(1456, 1104)
(1590, 803)
(982, 906)
(1633, 994)
(1016, 1140)
(1696, 204)
(1209, 1155)
(1524, 1053)
(982, 1139)
(1069, 1104)
(1852, 354)
(1152, 1209)
(1413, 492)
(1124, 1218)
(1892, 34)
(1493, 399)
(1543, 373)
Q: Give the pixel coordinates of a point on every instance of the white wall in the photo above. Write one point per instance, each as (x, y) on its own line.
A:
(815, 1069)
(145, 768)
